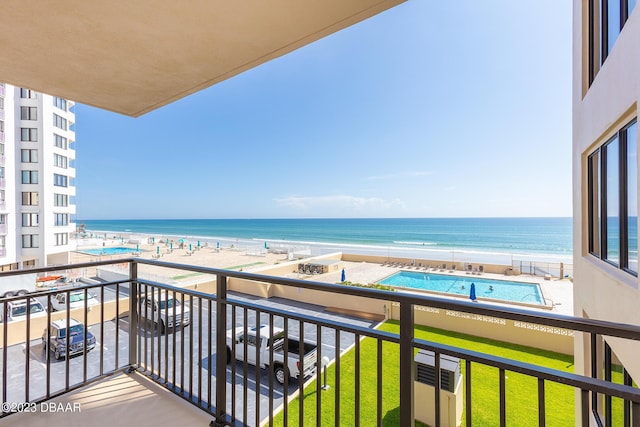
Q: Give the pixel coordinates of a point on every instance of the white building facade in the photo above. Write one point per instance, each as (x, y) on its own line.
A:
(606, 93)
(37, 178)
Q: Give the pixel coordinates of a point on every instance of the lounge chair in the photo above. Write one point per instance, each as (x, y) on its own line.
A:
(481, 269)
(469, 268)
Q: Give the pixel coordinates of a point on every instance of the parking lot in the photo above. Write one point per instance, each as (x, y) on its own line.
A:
(191, 373)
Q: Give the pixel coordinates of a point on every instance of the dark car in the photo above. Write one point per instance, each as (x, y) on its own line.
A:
(59, 339)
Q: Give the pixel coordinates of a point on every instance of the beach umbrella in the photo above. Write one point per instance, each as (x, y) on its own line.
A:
(265, 245)
(344, 275)
(171, 245)
(153, 239)
(198, 244)
(158, 250)
(137, 247)
(472, 292)
(190, 247)
(218, 245)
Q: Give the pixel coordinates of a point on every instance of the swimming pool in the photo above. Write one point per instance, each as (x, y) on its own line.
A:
(108, 251)
(518, 292)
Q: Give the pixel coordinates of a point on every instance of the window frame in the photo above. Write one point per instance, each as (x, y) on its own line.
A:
(30, 219)
(29, 134)
(33, 177)
(598, 49)
(30, 197)
(28, 113)
(60, 122)
(28, 155)
(60, 180)
(31, 240)
(601, 249)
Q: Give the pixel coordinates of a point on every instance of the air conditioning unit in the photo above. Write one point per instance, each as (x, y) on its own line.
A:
(426, 371)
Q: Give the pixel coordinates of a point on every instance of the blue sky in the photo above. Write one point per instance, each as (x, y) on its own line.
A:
(431, 109)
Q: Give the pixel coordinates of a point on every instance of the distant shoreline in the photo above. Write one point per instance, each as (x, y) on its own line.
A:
(315, 248)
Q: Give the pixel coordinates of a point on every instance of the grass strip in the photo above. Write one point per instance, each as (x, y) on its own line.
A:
(521, 390)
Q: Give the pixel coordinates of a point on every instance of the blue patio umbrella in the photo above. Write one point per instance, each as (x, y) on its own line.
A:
(344, 276)
(153, 239)
(158, 250)
(218, 245)
(137, 248)
(198, 244)
(472, 292)
(171, 245)
(190, 249)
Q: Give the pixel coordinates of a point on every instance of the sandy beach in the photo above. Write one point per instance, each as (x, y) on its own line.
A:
(559, 292)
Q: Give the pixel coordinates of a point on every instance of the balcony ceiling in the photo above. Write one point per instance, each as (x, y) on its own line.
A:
(132, 57)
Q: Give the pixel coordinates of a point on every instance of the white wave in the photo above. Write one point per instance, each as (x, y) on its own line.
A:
(414, 243)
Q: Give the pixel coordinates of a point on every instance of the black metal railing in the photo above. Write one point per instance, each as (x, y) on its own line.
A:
(187, 340)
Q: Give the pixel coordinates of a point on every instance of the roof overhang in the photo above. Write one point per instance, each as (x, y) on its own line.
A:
(133, 56)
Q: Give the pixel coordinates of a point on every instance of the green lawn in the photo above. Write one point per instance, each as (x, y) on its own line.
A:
(521, 391)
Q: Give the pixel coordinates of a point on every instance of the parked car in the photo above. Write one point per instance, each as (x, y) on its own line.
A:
(59, 338)
(17, 310)
(237, 337)
(76, 300)
(159, 310)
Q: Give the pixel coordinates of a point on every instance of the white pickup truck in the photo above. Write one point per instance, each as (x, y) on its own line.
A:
(236, 337)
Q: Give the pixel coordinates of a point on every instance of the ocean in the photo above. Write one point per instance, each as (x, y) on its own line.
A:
(497, 240)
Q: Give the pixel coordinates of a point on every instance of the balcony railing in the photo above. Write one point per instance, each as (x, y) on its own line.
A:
(184, 347)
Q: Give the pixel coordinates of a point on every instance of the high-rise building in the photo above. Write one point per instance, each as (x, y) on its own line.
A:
(37, 174)
(606, 93)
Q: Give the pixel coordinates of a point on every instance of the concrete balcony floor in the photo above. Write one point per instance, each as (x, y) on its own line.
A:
(122, 399)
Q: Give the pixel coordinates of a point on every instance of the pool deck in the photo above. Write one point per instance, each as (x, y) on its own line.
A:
(557, 293)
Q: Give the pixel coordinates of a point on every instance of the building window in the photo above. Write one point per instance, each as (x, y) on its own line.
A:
(61, 219)
(606, 20)
(30, 220)
(59, 180)
(616, 411)
(27, 93)
(61, 239)
(60, 141)
(29, 134)
(632, 196)
(59, 122)
(30, 241)
(30, 198)
(29, 156)
(60, 103)
(61, 200)
(612, 203)
(29, 177)
(28, 113)
(60, 161)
